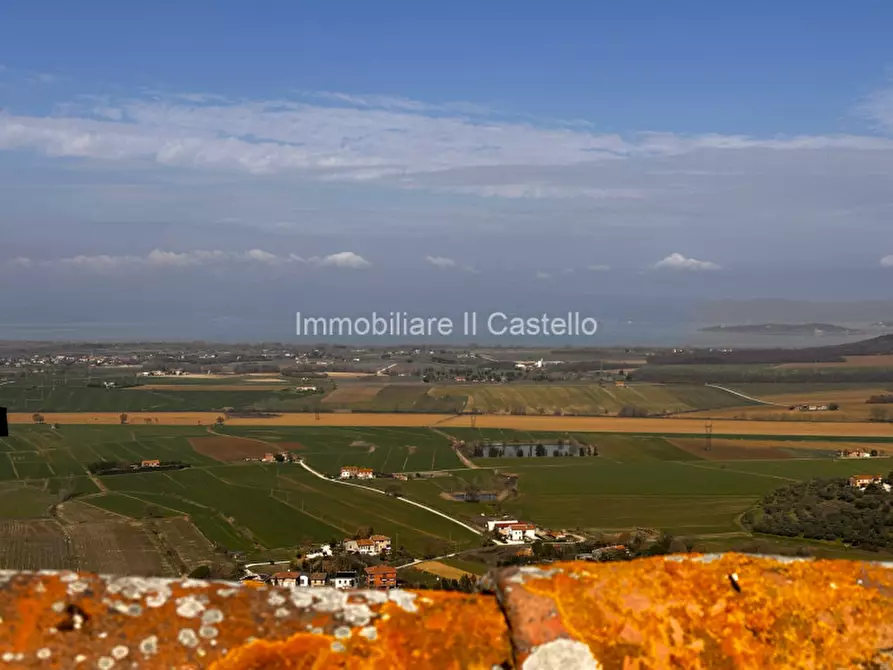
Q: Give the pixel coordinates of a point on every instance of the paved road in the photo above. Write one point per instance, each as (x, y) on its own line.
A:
(741, 395)
(400, 498)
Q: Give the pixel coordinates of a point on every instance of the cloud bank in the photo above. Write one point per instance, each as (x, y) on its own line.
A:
(677, 261)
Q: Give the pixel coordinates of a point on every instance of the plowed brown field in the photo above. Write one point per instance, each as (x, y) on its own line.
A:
(607, 424)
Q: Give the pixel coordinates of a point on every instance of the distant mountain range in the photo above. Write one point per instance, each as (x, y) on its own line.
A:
(784, 329)
(776, 311)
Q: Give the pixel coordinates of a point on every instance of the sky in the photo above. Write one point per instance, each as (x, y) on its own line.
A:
(206, 169)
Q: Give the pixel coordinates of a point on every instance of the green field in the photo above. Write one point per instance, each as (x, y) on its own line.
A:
(262, 509)
(588, 399)
(382, 449)
(244, 506)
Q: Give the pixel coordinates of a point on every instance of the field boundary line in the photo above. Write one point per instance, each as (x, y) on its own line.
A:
(384, 493)
(741, 472)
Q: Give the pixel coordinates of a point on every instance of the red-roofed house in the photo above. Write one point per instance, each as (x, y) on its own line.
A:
(381, 577)
(516, 533)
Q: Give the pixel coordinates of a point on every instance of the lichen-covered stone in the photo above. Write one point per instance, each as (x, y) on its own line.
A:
(70, 620)
(729, 611)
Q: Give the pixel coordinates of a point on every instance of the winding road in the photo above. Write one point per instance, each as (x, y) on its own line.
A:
(400, 498)
(741, 395)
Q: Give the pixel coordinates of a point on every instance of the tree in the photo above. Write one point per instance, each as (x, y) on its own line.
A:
(878, 414)
(280, 458)
(123, 418)
(540, 450)
(220, 420)
(833, 406)
(37, 417)
(582, 451)
(201, 572)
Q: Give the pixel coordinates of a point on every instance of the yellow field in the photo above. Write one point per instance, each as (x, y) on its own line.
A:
(442, 570)
(257, 385)
(589, 399)
(608, 424)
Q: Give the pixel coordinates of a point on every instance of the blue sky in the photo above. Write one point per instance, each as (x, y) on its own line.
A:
(687, 149)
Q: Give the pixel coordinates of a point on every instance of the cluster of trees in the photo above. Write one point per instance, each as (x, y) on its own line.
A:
(480, 450)
(828, 509)
(632, 411)
(466, 584)
(884, 399)
(638, 545)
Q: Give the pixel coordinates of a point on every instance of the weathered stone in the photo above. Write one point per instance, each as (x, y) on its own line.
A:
(69, 620)
(729, 611)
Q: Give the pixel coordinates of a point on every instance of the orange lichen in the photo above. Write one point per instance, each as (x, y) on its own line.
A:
(705, 612)
(67, 619)
(446, 631)
(677, 611)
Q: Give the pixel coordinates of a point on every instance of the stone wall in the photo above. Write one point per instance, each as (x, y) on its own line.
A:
(728, 611)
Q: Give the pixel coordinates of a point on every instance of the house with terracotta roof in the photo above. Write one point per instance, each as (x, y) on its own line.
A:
(863, 481)
(318, 579)
(494, 522)
(516, 533)
(290, 579)
(152, 463)
(381, 577)
(268, 458)
(363, 546)
(382, 543)
(354, 472)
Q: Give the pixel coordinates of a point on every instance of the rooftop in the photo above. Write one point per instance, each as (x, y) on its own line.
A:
(689, 611)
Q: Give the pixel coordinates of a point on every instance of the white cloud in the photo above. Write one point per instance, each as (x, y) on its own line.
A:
(440, 261)
(543, 275)
(887, 261)
(391, 140)
(343, 259)
(677, 261)
(540, 191)
(598, 268)
(160, 259)
(879, 108)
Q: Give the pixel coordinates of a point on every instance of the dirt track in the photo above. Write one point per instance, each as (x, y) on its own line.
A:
(533, 423)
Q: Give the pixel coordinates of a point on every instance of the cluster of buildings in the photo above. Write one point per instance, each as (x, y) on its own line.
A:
(857, 453)
(602, 552)
(374, 545)
(270, 457)
(374, 577)
(811, 408)
(354, 472)
(512, 531)
(862, 482)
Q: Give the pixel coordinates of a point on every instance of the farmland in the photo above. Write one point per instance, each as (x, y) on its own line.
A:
(586, 399)
(249, 507)
(673, 426)
(382, 449)
(851, 404)
(159, 523)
